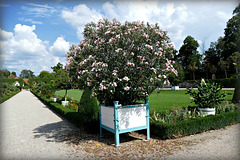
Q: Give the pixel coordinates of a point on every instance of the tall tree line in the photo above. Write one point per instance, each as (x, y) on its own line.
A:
(220, 60)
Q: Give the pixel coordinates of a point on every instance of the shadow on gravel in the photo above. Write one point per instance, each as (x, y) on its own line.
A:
(62, 132)
(52, 131)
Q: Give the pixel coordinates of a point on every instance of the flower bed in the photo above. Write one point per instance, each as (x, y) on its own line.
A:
(193, 126)
(10, 95)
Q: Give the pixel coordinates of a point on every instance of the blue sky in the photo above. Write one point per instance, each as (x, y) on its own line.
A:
(36, 34)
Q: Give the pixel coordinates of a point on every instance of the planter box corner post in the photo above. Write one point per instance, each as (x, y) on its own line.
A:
(116, 123)
(147, 116)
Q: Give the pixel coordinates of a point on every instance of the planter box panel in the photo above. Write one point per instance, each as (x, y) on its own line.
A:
(207, 111)
(132, 129)
(132, 117)
(107, 116)
(64, 103)
(121, 119)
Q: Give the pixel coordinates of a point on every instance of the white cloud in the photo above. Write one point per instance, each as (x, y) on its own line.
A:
(4, 35)
(223, 15)
(79, 16)
(170, 17)
(110, 10)
(202, 20)
(38, 10)
(59, 47)
(30, 20)
(22, 49)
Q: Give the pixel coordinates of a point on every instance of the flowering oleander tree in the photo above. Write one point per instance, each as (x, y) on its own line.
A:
(122, 62)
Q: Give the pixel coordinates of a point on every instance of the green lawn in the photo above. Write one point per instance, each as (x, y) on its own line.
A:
(73, 93)
(166, 99)
(159, 100)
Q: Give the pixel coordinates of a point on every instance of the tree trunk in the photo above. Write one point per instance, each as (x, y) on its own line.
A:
(65, 97)
(225, 73)
(237, 72)
(236, 95)
(194, 76)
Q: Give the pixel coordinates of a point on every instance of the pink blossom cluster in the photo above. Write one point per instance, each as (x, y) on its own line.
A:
(122, 62)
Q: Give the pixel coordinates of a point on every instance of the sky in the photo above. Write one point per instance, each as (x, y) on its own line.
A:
(36, 34)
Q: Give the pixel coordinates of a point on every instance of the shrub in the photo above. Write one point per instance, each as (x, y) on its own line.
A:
(122, 62)
(88, 106)
(174, 115)
(225, 107)
(208, 94)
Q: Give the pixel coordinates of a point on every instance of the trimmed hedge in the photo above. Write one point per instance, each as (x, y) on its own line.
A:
(193, 126)
(225, 83)
(4, 98)
(74, 117)
(161, 130)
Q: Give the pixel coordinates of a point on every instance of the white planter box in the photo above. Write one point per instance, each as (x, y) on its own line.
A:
(128, 117)
(54, 99)
(121, 119)
(175, 88)
(64, 103)
(206, 111)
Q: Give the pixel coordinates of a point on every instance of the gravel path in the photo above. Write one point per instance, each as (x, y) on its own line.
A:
(29, 130)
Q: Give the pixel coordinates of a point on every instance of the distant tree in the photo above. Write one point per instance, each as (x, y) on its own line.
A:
(27, 74)
(175, 80)
(57, 67)
(192, 67)
(211, 55)
(220, 47)
(62, 81)
(206, 66)
(235, 60)
(224, 65)
(213, 70)
(4, 73)
(187, 51)
(44, 74)
(14, 73)
(232, 34)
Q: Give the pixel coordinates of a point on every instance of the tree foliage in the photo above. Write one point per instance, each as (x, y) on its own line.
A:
(232, 34)
(27, 74)
(211, 55)
(188, 53)
(62, 81)
(4, 73)
(59, 66)
(44, 74)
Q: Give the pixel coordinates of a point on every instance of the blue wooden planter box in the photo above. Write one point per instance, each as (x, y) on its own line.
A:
(121, 119)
